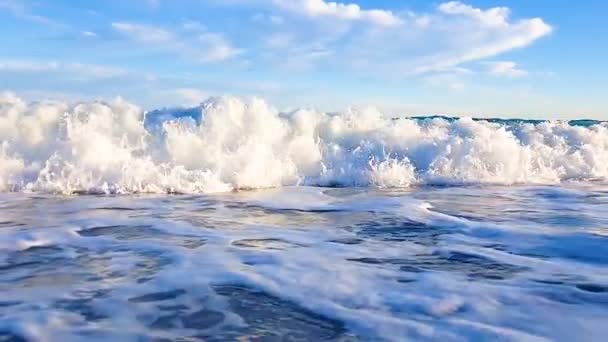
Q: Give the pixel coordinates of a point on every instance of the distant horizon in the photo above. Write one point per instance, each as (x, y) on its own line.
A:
(387, 114)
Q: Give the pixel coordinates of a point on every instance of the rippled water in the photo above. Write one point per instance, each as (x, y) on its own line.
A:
(296, 264)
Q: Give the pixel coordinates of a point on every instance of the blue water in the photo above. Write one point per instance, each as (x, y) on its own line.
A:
(479, 263)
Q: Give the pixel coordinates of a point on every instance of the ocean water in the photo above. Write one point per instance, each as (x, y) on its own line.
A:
(233, 221)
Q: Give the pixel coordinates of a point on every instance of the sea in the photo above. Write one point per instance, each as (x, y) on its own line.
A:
(233, 221)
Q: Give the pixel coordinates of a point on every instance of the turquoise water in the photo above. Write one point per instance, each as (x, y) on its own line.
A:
(514, 122)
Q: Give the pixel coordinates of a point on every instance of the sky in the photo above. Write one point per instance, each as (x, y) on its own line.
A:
(518, 58)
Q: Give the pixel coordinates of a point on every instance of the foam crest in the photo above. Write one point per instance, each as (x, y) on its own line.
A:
(229, 143)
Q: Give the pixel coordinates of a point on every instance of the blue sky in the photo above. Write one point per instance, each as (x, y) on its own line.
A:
(541, 58)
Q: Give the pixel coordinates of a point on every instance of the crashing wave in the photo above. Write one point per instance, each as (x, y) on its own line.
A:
(228, 143)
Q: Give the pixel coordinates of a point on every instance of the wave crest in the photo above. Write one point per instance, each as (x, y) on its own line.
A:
(228, 143)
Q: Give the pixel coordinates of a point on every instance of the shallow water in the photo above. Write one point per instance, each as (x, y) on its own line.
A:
(300, 263)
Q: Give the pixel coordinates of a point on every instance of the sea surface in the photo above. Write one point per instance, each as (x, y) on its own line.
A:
(520, 263)
(232, 221)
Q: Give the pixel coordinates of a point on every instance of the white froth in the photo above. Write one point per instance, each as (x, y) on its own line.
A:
(229, 143)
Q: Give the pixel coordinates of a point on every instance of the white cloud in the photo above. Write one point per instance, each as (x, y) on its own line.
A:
(469, 34)
(496, 16)
(504, 69)
(346, 11)
(288, 53)
(75, 70)
(88, 34)
(143, 33)
(216, 48)
(19, 10)
(422, 43)
(192, 41)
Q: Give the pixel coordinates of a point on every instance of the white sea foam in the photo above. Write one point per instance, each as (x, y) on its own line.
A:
(228, 143)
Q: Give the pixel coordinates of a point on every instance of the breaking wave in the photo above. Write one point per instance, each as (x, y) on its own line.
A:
(229, 143)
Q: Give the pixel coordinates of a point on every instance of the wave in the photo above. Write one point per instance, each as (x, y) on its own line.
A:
(229, 143)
